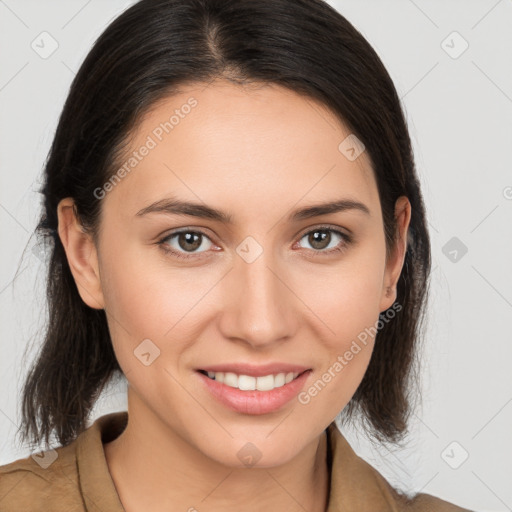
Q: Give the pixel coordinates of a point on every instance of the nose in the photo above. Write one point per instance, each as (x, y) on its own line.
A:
(260, 307)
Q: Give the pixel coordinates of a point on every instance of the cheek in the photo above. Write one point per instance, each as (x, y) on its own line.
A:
(135, 301)
(147, 299)
(349, 310)
(348, 300)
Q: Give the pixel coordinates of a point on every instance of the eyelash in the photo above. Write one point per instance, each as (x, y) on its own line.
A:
(346, 241)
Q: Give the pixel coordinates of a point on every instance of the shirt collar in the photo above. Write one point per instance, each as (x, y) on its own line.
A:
(97, 487)
(354, 484)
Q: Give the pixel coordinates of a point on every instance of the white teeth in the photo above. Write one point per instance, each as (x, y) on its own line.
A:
(265, 383)
(230, 379)
(249, 383)
(279, 380)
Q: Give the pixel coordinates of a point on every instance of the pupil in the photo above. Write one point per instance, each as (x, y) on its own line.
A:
(190, 238)
(317, 242)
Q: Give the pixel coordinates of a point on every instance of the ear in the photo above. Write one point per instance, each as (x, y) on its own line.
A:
(81, 254)
(396, 260)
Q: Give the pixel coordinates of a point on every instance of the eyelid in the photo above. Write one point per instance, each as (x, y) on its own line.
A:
(330, 227)
(179, 254)
(347, 240)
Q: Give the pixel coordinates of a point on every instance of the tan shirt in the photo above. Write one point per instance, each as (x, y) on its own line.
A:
(78, 479)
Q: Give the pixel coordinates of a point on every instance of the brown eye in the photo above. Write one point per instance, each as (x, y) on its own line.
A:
(326, 239)
(184, 244)
(189, 241)
(319, 239)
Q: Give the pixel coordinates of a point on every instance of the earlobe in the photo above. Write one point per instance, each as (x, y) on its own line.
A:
(396, 261)
(81, 254)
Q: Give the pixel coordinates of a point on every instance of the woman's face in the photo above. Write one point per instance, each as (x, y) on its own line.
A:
(257, 283)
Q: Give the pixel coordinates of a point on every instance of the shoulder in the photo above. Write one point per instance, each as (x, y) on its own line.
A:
(418, 502)
(428, 503)
(71, 478)
(40, 482)
(357, 485)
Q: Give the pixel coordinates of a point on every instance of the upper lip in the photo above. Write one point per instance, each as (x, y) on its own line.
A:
(255, 370)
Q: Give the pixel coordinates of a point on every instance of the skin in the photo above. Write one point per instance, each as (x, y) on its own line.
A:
(257, 153)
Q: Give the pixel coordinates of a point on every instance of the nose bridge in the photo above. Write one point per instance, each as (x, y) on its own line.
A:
(260, 306)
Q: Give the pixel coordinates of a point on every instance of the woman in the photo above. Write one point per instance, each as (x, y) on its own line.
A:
(238, 229)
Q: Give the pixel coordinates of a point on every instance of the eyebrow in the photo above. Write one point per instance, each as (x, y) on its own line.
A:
(173, 206)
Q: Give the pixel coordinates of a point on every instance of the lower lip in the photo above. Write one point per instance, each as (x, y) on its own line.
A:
(254, 402)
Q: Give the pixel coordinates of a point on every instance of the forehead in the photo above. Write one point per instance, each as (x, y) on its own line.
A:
(230, 144)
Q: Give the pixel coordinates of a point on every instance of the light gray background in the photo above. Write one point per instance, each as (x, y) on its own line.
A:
(459, 109)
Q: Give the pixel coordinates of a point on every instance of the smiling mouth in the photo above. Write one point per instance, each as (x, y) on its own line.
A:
(251, 383)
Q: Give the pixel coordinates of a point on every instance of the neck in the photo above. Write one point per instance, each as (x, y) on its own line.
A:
(142, 463)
